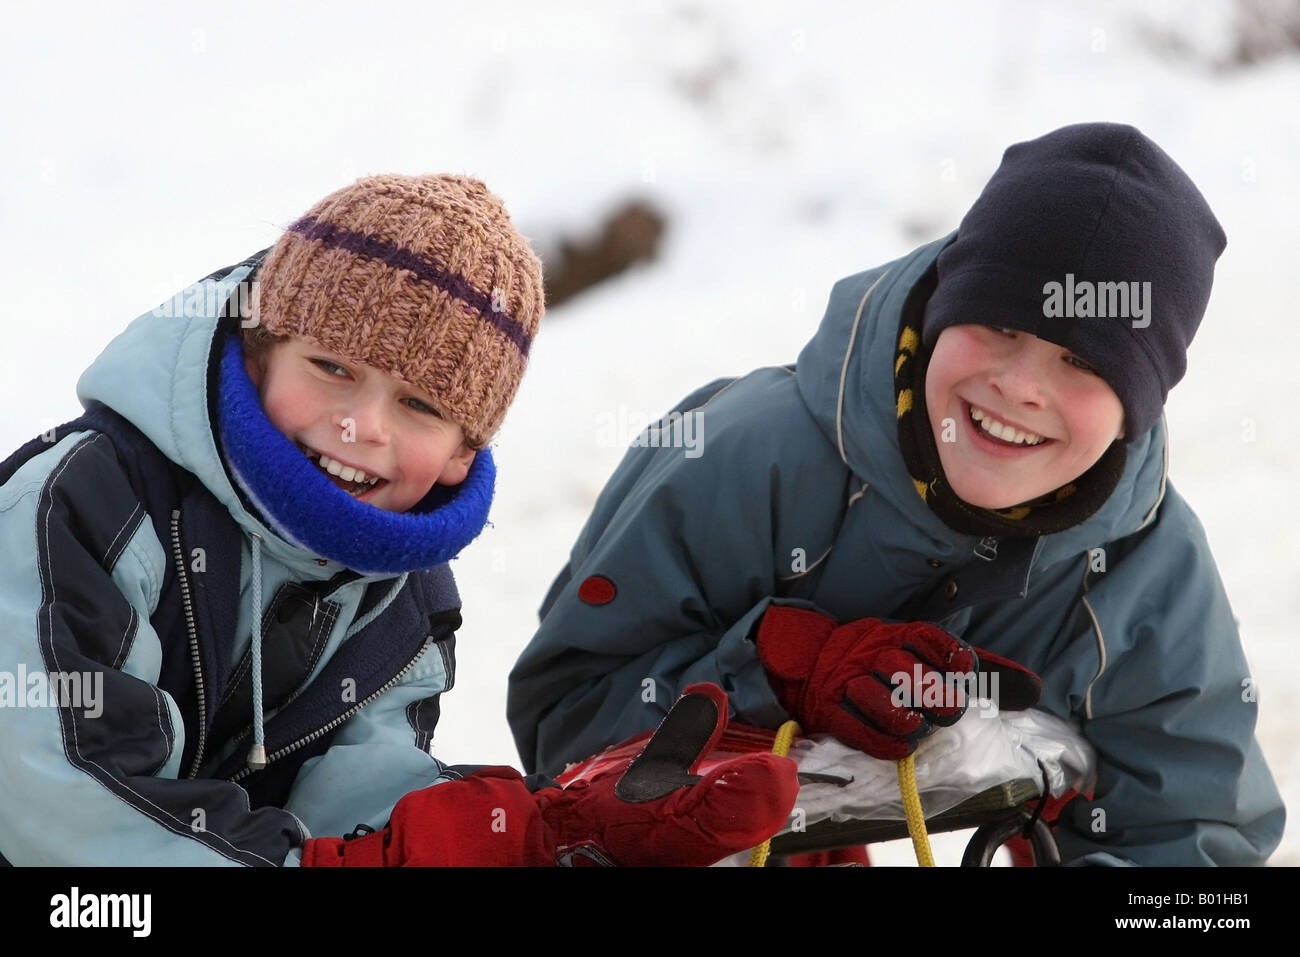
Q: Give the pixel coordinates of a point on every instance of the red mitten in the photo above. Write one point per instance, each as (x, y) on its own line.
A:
(839, 679)
(487, 819)
(656, 812)
(653, 811)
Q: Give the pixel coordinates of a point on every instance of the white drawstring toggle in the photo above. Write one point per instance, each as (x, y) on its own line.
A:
(257, 757)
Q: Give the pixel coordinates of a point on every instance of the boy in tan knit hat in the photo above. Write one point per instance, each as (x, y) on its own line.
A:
(242, 547)
(460, 296)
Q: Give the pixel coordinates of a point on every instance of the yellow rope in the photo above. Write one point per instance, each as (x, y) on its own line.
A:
(780, 747)
(912, 808)
(906, 787)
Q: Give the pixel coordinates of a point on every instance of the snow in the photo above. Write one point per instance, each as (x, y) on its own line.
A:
(147, 145)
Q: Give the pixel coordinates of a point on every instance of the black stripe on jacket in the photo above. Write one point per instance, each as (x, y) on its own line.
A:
(85, 508)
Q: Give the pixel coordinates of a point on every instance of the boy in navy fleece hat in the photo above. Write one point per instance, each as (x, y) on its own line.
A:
(967, 467)
(1088, 259)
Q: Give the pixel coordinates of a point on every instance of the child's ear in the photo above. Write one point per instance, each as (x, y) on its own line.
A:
(457, 466)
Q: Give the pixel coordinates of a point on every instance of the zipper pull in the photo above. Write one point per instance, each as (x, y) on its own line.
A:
(987, 548)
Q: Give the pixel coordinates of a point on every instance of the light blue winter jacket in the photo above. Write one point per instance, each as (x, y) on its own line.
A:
(801, 495)
(81, 572)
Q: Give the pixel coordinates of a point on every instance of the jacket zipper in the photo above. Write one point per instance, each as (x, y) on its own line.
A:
(316, 603)
(324, 729)
(179, 554)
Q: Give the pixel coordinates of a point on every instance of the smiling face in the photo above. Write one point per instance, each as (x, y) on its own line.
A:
(361, 418)
(1016, 384)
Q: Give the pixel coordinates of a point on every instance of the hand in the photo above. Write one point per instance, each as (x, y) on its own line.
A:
(656, 812)
(487, 819)
(841, 679)
(652, 811)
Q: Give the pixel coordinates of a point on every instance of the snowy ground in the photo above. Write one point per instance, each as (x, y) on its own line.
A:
(146, 146)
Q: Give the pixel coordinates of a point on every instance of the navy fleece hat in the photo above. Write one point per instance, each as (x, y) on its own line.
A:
(1093, 238)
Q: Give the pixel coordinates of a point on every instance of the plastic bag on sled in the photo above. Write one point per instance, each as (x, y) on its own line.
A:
(984, 749)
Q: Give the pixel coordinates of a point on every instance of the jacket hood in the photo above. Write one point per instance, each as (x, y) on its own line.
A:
(846, 379)
(166, 372)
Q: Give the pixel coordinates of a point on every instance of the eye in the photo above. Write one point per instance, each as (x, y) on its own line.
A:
(1080, 364)
(426, 408)
(1002, 330)
(327, 366)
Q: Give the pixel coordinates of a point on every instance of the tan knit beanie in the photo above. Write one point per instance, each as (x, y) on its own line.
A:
(423, 277)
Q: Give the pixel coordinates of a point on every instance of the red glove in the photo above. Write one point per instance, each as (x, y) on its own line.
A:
(653, 811)
(658, 812)
(839, 680)
(489, 819)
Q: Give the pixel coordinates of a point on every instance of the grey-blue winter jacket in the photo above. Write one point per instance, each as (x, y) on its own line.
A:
(801, 495)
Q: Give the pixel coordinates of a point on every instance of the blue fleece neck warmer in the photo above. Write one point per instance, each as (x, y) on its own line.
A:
(306, 509)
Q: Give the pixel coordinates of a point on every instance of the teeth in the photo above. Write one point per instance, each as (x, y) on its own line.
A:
(1002, 431)
(345, 472)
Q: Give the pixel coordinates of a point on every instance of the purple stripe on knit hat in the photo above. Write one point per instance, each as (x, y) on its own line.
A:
(361, 244)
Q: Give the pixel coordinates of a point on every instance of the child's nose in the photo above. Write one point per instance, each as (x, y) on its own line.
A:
(364, 419)
(1022, 376)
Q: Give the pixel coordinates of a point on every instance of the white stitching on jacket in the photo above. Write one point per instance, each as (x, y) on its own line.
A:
(844, 370)
(1101, 640)
(63, 728)
(132, 627)
(130, 523)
